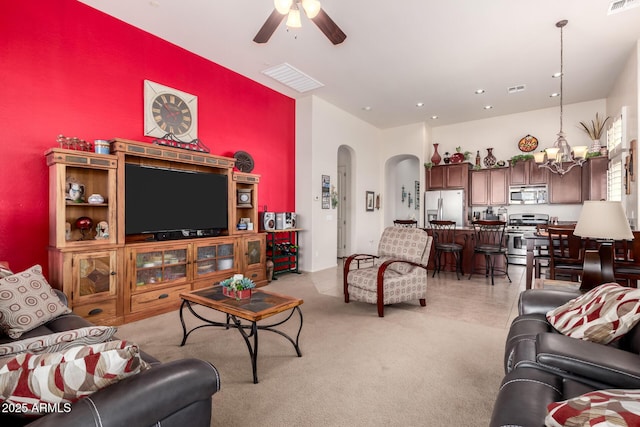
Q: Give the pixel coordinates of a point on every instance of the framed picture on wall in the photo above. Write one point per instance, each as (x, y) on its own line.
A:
(326, 195)
(369, 201)
(417, 185)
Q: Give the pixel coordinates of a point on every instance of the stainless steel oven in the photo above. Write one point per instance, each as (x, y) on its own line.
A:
(517, 227)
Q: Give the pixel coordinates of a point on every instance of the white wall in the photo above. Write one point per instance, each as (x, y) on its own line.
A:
(321, 129)
(625, 94)
(503, 133)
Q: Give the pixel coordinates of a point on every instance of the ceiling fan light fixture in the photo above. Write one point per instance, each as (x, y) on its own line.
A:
(283, 6)
(311, 8)
(293, 20)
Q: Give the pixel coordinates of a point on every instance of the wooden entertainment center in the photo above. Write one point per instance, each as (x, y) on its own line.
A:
(112, 278)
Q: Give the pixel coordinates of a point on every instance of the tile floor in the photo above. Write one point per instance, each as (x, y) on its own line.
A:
(474, 300)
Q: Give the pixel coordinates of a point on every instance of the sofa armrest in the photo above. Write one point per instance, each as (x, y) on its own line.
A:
(601, 363)
(144, 399)
(62, 296)
(541, 301)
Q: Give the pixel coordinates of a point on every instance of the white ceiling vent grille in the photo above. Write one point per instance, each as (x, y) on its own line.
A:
(516, 88)
(617, 6)
(292, 77)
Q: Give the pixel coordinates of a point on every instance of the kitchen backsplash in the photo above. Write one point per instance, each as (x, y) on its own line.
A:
(563, 212)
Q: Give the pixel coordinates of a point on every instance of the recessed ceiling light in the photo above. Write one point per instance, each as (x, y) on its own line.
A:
(367, 108)
(434, 117)
(479, 91)
(420, 104)
(553, 95)
(488, 107)
(556, 75)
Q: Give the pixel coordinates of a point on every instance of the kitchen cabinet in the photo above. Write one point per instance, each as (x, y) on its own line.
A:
(567, 188)
(594, 179)
(528, 173)
(450, 176)
(489, 187)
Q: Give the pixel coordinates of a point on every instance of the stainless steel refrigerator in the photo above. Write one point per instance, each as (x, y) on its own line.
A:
(444, 205)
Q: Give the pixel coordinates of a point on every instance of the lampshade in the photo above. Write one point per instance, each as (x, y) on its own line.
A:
(603, 220)
(293, 21)
(283, 6)
(311, 8)
(580, 152)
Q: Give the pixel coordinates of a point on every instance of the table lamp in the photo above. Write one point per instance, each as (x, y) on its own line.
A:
(604, 221)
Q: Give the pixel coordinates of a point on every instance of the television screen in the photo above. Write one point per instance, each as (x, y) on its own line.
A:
(159, 200)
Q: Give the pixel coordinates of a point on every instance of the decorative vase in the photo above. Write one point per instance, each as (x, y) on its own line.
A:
(457, 157)
(478, 158)
(243, 294)
(270, 267)
(436, 159)
(490, 159)
(447, 159)
(595, 146)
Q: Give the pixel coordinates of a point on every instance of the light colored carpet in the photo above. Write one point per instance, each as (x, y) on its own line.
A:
(409, 368)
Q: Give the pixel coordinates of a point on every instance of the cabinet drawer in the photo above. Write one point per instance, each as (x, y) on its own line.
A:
(157, 298)
(256, 274)
(97, 312)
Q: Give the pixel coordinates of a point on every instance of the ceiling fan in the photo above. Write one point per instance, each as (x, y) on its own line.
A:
(291, 9)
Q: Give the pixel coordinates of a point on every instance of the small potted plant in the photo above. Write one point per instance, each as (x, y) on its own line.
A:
(237, 286)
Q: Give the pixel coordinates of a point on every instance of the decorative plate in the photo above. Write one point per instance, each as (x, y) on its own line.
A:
(244, 161)
(528, 144)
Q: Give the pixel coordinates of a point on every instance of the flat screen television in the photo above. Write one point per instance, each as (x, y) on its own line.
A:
(169, 200)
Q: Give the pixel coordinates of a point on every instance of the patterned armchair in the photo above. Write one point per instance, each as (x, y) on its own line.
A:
(399, 271)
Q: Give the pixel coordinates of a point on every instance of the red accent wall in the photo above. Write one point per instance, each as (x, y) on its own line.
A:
(68, 69)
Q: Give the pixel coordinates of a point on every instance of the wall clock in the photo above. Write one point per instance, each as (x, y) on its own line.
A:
(169, 112)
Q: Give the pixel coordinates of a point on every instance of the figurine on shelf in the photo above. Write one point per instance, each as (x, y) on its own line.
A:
(75, 191)
(84, 224)
(102, 230)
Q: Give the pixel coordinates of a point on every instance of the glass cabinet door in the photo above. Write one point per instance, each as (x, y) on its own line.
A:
(94, 274)
(214, 257)
(161, 266)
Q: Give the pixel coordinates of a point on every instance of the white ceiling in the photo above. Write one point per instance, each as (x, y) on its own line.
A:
(398, 53)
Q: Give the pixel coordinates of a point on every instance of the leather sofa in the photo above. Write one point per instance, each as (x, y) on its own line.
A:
(543, 366)
(176, 393)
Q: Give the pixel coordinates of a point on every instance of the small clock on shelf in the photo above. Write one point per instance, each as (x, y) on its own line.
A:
(243, 198)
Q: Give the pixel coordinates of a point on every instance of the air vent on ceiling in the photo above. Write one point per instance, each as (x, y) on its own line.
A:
(292, 77)
(516, 89)
(617, 6)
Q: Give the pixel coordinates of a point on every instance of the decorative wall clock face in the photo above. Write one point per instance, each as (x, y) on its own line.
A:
(169, 111)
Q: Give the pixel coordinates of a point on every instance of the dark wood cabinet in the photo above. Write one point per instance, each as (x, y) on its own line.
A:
(567, 188)
(528, 173)
(451, 176)
(489, 187)
(594, 179)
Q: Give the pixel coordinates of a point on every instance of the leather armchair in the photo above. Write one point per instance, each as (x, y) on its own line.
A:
(177, 393)
(544, 366)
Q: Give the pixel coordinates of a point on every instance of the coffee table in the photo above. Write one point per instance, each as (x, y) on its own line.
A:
(262, 305)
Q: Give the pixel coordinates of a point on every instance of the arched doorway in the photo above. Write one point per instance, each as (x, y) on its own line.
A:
(403, 189)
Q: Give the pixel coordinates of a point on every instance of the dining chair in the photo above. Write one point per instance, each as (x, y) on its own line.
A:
(444, 242)
(490, 241)
(410, 223)
(566, 252)
(626, 263)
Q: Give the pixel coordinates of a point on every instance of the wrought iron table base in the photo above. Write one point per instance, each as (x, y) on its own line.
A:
(253, 328)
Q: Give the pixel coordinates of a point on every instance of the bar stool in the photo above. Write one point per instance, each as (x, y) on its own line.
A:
(444, 241)
(490, 242)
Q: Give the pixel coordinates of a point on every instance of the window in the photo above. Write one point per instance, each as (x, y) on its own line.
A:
(614, 179)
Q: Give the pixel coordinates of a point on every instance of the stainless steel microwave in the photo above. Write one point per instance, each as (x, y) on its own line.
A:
(528, 195)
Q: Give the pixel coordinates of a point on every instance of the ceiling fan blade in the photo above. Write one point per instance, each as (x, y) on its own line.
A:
(269, 27)
(328, 27)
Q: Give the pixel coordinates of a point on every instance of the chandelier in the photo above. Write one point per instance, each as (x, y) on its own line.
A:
(560, 158)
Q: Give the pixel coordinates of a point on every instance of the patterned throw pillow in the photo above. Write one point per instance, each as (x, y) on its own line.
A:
(59, 341)
(601, 315)
(27, 301)
(32, 381)
(602, 407)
